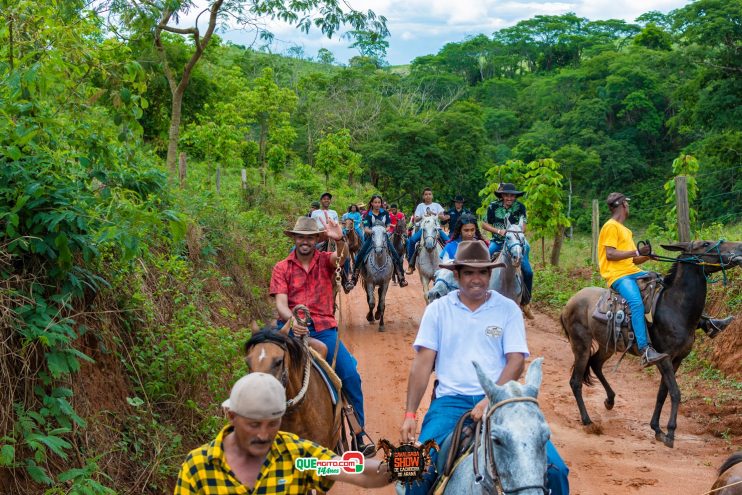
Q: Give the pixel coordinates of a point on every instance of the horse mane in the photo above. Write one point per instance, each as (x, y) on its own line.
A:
(270, 335)
(671, 274)
(732, 460)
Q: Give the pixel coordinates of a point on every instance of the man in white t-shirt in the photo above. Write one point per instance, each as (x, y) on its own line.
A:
(469, 324)
(320, 216)
(424, 209)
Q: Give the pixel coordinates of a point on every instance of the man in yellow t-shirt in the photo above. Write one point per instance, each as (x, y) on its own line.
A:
(618, 257)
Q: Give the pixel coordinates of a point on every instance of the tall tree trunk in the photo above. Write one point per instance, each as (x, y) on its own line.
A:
(263, 143)
(174, 132)
(557, 248)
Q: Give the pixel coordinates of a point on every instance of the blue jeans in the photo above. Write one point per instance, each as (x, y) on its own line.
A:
(440, 421)
(346, 367)
(415, 238)
(629, 290)
(525, 268)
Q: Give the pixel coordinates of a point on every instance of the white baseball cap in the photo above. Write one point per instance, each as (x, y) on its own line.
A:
(257, 396)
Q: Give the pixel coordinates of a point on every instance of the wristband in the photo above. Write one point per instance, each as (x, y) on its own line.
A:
(637, 253)
(410, 415)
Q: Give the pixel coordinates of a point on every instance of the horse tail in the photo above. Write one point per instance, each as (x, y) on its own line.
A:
(732, 460)
(587, 377)
(564, 327)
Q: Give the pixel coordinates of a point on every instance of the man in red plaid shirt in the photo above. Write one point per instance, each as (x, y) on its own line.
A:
(306, 277)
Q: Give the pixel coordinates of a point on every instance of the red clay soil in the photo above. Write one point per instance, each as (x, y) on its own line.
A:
(625, 458)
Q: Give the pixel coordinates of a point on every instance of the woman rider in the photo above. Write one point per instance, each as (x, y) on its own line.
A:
(466, 229)
(375, 214)
(355, 215)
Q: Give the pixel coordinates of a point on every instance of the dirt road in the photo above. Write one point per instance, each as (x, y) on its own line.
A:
(624, 459)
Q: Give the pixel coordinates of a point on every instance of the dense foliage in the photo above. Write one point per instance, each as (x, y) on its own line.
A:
(110, 271)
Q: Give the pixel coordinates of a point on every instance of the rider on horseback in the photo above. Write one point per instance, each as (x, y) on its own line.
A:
(306, 277)
(424, 209)
(508, 210)
(452, 215)
(354, 214)
(469, 324)
(394, 216)
(324, 214)
(618, 257)
(466, 229)
(374, 215)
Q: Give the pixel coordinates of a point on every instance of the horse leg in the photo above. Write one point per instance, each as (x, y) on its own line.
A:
(596, 364)
(579, 368)
(382, 305)
(668, 384)
(370, 299)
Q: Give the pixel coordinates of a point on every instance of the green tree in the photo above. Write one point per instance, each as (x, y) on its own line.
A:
(335, 156)
(654, 37)
(543, 183)
(270, 108)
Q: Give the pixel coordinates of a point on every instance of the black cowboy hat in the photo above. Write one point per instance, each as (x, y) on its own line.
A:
(473, 254)
(458, 199)
(507, 188)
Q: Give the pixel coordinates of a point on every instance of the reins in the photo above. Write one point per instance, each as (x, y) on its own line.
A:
(697, 260)
(489, 456)
(305, 345)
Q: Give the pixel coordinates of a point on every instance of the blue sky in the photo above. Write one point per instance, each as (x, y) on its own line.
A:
(421, 27)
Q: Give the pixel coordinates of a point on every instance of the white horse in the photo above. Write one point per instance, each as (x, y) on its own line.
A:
(429, 252)
(507, 280)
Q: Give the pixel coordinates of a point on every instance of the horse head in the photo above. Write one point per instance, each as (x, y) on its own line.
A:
(349, 224)
(719, 254)
(378, 238)
(401, 227)
(269, 351)
(444, 283)
(429, 226)
(515, 242)
(514, 434)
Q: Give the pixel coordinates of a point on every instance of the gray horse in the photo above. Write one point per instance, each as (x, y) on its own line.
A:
(430, 252)
(515, 459)
(506, 280)
(377, 271)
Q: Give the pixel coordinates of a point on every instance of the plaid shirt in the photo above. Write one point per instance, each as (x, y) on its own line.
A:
(311, 288)
(497, 214)
(206, 472)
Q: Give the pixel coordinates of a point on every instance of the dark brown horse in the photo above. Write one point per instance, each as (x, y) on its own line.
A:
(351, 238)
(310, 413)
(679, 309)
(399, 241)
(729, 481)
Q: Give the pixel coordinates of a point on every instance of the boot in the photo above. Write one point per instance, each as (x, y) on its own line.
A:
(411, 264)
(713, 326)
(526, 308)
(352, 282)
(650, 356)
(367, 449)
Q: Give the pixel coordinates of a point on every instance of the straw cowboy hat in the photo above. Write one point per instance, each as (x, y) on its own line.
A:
(473, 254)
(507, 188)
(305, 226)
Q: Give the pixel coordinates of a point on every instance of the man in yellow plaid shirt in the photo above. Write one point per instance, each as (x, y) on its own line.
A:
(251, 456)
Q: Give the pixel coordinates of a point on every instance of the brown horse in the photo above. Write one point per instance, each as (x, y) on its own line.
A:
(678, 311)
(309, 414)
(729, 481)
(351, 237)
(399, 241)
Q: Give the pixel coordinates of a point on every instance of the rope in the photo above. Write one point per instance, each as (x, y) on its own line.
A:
(722, 487)
(305, 342)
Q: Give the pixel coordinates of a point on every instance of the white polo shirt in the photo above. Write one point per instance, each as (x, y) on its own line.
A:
(460, 336)
(422, 208)
(319, 217)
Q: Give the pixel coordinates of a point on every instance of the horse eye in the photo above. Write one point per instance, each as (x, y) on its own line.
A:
(497, 441)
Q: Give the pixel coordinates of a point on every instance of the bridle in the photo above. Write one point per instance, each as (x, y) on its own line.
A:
(698, 259)
(427, 236)
(489, 456)
(509, 246)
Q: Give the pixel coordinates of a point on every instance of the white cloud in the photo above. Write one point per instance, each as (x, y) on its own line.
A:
(420, 27)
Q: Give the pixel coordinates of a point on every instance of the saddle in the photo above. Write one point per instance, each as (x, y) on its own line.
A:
(454, 448)
(613, 310)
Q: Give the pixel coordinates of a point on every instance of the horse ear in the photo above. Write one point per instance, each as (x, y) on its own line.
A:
(678, 246)
(494, 392)
(533, 377)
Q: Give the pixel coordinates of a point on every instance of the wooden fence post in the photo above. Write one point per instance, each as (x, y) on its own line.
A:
(596, 231)
(182, 169)
(681, 207)
(218, 180)
(244, 179)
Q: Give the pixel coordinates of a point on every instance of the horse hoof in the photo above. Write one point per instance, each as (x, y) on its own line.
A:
(608, 404)
(370, 318)
(381, 328)
(377, 316)
(594, 429)
(669, 442)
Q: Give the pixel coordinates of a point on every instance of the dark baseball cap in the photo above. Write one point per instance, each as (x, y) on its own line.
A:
(616, 198)
(326, 194)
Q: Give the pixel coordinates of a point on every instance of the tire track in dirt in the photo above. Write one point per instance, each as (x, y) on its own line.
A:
(624, 459)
